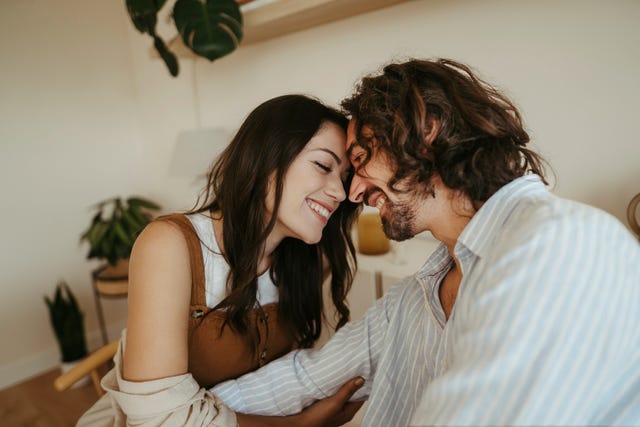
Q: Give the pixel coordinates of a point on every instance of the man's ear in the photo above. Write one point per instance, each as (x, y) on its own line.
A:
(431, 129)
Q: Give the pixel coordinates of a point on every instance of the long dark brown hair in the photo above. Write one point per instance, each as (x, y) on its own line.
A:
(480, 142)
(267, 142)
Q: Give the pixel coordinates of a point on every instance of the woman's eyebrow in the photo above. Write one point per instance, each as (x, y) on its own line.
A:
(334, 155)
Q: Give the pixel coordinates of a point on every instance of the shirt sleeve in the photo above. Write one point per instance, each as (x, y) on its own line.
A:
(287, 385)
(171, 401)
(537, 332)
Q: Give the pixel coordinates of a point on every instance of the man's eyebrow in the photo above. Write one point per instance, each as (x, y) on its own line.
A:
(334, 155)
(352, 148)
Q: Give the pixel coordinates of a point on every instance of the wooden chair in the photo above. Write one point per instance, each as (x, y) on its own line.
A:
(89, 366)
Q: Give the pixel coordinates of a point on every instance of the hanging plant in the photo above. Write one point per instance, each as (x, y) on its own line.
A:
(210, 28)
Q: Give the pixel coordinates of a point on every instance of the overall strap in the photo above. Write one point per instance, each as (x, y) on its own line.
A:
(198, 296)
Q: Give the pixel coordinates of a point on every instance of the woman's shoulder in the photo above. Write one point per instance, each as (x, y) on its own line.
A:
(160, 232)
(160, 244)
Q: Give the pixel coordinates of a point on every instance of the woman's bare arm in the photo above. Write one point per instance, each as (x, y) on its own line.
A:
(158, 310)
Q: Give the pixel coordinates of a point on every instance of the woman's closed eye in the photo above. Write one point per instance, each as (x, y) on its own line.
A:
(324, 167)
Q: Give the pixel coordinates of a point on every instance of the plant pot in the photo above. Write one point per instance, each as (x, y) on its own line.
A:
(67, 366)
(113, 280)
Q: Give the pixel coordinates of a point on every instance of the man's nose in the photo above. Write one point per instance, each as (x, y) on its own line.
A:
(357, 189)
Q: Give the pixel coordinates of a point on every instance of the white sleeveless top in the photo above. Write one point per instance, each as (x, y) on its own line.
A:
(216, 268)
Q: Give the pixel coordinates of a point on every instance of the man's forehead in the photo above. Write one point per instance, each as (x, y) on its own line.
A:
(352, 137)
(351, 133)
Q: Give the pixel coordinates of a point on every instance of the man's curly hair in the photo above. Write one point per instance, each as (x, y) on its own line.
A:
(480, 144)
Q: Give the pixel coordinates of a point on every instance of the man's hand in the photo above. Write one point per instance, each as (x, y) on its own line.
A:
(330, 412)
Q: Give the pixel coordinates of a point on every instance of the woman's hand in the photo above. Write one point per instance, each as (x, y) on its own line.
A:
(330, 412)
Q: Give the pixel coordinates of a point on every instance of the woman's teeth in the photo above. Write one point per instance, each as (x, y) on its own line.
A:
(319, 209)
(380, 202)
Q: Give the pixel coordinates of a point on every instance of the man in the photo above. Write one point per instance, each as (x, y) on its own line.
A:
(527, 313)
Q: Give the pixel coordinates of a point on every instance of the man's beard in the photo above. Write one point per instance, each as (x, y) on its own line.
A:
(398, 222)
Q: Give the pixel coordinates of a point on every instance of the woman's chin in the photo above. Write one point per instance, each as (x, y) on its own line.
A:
(311, 239)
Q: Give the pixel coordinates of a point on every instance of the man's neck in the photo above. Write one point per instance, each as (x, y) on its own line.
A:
(450, 220)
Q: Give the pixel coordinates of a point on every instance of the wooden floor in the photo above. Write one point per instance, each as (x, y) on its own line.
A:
(35, 403)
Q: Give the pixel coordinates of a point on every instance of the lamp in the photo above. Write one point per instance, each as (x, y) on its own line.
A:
(371, 237)
(372, 241)
(196, 149)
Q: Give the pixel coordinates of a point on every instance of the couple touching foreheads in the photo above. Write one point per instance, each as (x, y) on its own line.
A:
(526, 314)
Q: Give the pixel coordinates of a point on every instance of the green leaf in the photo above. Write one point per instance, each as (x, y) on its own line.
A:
(106, 244)
(111, 236)
(121, 233)
(101, 230)
(68, 323)
(211, 28)
(132, 225)
(137, 213)
(140, 202)
(145, 6)
(98, 216)
(167, 56)
(144, 13)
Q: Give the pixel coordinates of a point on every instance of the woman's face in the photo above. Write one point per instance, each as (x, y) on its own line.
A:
(313, 187)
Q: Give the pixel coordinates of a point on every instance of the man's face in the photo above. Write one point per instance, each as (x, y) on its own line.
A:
(398, 210)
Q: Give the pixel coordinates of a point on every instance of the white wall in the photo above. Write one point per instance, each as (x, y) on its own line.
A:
(84, 91)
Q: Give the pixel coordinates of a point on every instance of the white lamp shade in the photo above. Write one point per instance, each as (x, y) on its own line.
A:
(196, 150)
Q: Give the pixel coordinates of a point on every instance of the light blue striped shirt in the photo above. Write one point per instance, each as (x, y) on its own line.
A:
(545, 329)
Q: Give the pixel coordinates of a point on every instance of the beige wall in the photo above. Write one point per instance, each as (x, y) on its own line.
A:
(68, 138)
(86, 114)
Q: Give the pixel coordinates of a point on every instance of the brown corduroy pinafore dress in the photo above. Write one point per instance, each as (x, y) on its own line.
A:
(217, 354)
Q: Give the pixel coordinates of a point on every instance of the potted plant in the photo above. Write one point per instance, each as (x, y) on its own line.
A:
(113, 230)
(210, 28)
(115, 227)
(68, 324)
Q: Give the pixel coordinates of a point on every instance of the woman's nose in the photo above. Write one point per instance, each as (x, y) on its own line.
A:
(336, 190)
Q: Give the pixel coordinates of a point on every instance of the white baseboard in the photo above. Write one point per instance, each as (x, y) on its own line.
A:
(35, 364)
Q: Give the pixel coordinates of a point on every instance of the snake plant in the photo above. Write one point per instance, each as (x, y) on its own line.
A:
(68, 323)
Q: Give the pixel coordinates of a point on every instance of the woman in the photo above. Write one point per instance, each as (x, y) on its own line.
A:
(238, 282)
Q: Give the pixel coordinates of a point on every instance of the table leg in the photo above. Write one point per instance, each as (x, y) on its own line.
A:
(103, 328)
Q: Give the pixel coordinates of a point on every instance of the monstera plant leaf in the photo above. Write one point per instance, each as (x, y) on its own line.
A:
(144, 15)
(210, 28)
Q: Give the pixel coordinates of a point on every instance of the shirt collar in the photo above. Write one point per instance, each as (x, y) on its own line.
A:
(478, 235)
